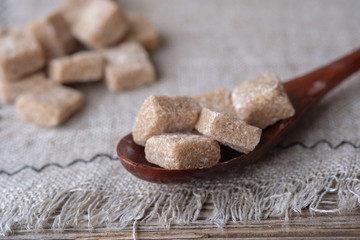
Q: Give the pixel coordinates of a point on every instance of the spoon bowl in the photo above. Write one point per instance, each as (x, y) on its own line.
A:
(304, 92)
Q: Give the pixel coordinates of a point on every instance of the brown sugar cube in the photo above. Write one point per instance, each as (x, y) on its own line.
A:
(129, 75)
(54, 36)
(182, 151)
(262, 101)
(80, 67)
(218, 100)
(100, 24)
(9, 90)
(141, 30)
(229, 131)
(20, 54)
(162, 114)
(2, 31)
(70, 10)
(128, 67)
(122, 53)
(49, 104)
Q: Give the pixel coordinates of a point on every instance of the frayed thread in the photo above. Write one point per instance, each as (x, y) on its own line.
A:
(181, 204)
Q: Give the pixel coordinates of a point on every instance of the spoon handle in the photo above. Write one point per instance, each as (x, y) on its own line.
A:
(305, 91)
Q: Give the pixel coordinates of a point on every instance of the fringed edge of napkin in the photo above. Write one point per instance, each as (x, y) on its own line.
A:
(247, 200)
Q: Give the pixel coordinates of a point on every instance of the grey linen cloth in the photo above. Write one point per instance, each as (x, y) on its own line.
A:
(70, 176)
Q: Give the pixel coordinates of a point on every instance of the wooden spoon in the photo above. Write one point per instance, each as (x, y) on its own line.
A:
(304, 92)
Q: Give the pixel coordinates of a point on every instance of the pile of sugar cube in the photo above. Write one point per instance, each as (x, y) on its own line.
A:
(81, 41)
(185, 132)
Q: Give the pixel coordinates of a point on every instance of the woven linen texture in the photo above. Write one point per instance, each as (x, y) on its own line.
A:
(69, 176)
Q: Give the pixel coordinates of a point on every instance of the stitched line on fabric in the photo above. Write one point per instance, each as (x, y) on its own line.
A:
(322, 141)
(76, 161)
(39, 170)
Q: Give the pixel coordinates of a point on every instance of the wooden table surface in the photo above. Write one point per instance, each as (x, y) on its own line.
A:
(304, 225)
